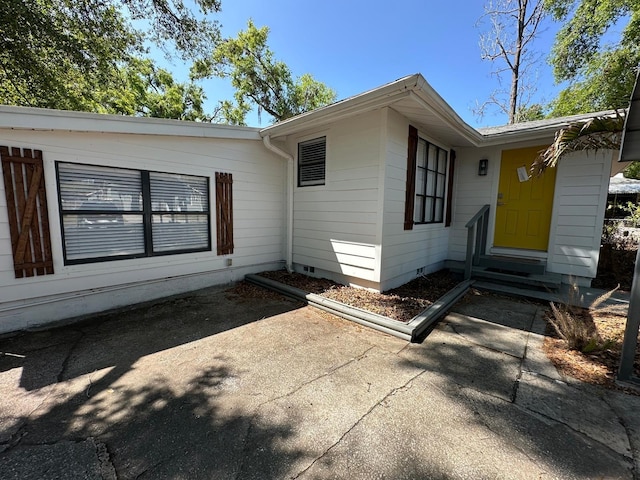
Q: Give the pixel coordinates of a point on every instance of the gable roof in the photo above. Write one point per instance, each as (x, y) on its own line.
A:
(413, 97)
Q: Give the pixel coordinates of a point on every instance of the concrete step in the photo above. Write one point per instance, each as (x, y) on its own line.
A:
(513, 264)
(551, 281)
(547, 280)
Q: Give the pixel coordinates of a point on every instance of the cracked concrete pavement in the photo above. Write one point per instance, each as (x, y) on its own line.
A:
(211, 385)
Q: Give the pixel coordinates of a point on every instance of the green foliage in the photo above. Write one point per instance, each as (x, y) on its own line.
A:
(66, 54)
(632, 171)
(529, 113)
(633, 213)
(260, 79)
(142, 89)
(601, 75)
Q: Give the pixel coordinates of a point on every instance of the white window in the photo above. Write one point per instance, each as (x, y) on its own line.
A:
(312, 156)
(115, 213)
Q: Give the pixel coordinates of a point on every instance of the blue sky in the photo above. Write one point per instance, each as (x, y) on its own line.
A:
(357, 45)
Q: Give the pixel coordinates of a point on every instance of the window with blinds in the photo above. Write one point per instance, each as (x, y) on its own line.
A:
(116, 213)
(312, 156)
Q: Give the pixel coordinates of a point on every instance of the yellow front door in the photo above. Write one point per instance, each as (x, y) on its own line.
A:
(523, 211)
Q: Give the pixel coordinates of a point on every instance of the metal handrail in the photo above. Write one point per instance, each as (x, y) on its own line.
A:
(476, 239)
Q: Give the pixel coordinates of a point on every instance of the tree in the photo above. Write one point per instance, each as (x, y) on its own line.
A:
(142, 89)
(514, 25)
(600, 75)
(259, 79)
(59, 53)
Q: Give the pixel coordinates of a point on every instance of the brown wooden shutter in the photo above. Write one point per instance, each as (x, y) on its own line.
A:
(24, 187)
(452, 166)
(224, 213)
(412, 153)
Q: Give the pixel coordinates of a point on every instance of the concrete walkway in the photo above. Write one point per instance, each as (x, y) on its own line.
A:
(212, 386)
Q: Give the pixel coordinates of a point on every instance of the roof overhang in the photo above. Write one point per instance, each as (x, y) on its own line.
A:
(28, 118)
(414, 98)
(411, 96)
(630, 150)
(543, 130)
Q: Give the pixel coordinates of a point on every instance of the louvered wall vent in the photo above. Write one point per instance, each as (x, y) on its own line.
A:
(312, 157)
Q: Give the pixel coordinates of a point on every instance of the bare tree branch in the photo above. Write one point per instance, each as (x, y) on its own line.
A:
(514, 24)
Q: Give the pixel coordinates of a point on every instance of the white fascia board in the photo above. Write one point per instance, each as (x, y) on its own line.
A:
(27, 118)
(355, 105)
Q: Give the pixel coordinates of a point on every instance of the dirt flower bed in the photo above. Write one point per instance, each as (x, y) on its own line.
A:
(598, 367)
(402, 303)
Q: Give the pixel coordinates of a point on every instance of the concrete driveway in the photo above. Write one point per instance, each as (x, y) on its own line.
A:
(214, 386)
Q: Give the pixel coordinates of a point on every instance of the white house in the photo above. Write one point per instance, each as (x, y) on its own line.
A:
(101, 211)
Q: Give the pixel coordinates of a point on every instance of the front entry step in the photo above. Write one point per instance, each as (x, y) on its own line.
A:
(515, 265)
(547, 280)
(510, 276)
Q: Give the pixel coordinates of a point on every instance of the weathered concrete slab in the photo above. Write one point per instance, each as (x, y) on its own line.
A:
(489, 335)
(61, 461)
(498, 310)
(448, 353)
(582, 411)
(212, 386)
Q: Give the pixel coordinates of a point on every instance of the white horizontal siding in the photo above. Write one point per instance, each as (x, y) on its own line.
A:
(471, 192)
(405, 251)
(344, 211)
(578, 211)
(259, 216)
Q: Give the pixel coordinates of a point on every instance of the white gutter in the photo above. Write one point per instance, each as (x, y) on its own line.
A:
(289, 229)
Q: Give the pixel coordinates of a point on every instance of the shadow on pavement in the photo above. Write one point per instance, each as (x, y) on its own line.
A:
(155, 427)
(119, 338)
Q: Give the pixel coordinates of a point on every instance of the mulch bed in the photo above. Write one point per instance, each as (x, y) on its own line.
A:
(402, 303)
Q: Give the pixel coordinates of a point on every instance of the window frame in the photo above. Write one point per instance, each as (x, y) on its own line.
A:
(318, 183)
(437, 174)
(147, 213)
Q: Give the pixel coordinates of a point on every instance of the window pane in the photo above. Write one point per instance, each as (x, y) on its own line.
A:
(87, 187)
(418, 208)
(420, 181)
(180, 232)
(428, 213)
(421, 158)
(440, 186)
(431, 183)
(433, 157)
(178, 193)
(102, 235)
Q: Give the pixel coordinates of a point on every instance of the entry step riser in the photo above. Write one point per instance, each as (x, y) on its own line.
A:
(517, 265)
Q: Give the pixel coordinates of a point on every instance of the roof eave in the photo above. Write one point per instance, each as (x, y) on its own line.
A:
(29, 118)
(361, 103)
